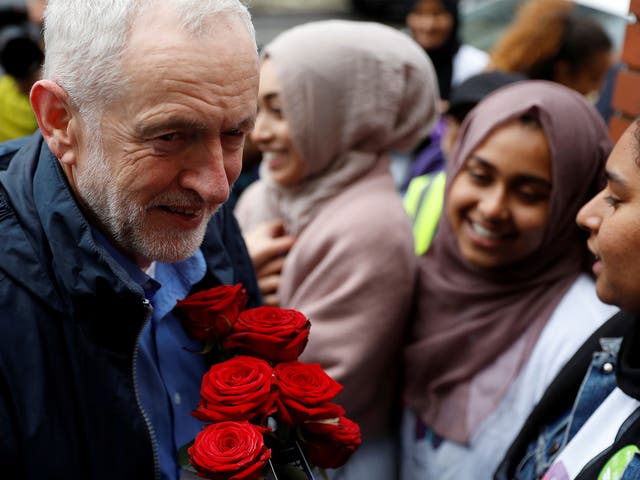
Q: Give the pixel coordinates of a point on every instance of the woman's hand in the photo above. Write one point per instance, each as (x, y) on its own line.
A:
(268, 247)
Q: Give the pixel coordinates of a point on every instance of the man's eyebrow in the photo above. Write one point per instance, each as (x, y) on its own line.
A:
(155, 128)
(247, 124)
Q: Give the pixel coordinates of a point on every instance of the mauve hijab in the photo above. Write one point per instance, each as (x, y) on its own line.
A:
(351, 93)
(468, 316)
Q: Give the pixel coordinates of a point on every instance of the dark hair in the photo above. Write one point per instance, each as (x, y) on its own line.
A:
(546, 32)
(583, 38)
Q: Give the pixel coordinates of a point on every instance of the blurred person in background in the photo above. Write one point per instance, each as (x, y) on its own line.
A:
(435, 25)
(335, 98)
(549, 40)
(21, 58)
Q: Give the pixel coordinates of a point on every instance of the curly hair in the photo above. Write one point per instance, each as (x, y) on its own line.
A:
(545, 32)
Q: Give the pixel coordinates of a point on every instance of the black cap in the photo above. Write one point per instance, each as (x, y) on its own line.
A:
(468, 94)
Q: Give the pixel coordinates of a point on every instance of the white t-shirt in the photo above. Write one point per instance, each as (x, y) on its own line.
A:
(468, 61)
(575, 318)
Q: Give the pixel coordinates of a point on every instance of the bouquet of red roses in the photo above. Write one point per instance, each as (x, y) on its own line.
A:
(267, 413)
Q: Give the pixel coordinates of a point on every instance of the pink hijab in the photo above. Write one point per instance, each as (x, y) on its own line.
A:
(351, 92)
(468, 317)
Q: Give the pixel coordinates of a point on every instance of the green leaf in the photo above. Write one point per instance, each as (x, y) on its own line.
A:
(289, 472)
(183, 457)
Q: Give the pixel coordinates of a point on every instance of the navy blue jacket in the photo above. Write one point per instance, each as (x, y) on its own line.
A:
(69, 323)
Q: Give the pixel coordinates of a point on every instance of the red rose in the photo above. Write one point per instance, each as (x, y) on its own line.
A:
(229, 451)
(241, 388)
(330, 444)
(306, 392)
(275, 334)
(209, 314)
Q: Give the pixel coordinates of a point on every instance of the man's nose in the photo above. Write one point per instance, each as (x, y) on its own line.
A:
(206, 174)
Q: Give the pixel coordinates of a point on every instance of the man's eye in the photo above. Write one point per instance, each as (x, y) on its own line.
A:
(234, 132)
(168, 137)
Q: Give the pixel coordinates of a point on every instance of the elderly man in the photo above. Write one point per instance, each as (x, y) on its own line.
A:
(108, 216)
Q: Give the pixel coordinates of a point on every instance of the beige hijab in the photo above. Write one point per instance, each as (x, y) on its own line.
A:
(468, 317)
(351, 92)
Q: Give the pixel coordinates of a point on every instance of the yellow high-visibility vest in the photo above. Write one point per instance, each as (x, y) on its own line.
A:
(16, 116)
(423, 202)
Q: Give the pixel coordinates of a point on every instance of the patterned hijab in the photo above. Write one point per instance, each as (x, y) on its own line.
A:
(467, 316)
(351, 93)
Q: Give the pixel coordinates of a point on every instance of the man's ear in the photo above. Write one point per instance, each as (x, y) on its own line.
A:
(55, 116)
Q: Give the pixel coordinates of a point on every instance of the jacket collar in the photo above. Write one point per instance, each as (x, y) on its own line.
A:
(50, 236)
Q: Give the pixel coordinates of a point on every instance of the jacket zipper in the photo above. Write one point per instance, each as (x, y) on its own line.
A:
(152, 436)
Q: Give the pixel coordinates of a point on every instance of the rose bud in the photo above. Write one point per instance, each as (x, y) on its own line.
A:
(330, 444)
(209, 315)
(306, 392)
(275, 334)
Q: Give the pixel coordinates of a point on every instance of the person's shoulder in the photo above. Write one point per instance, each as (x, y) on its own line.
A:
(250, 194)
(581, 303)
(250, 207)
(368, 210)
(578, 314)
(9, 149)
(369, 226)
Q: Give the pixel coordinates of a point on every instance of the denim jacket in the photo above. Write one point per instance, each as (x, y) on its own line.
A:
(598, 383)
(568, 402)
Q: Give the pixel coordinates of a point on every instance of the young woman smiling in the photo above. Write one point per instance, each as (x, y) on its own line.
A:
(335, 98)
(504, 299)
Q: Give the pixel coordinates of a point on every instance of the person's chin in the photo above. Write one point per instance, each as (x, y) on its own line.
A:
(172, 246)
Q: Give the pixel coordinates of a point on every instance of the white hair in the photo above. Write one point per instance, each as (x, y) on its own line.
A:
(85, 40)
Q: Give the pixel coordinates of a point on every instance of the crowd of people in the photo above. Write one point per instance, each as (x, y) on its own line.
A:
(479, 309)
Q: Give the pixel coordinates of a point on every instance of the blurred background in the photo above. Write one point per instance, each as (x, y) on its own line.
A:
(482, 21)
